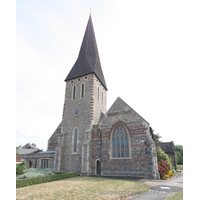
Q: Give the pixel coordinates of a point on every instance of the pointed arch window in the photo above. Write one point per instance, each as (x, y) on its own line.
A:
(120, 142)
(82, 90)
(74, 92)
(75, 139)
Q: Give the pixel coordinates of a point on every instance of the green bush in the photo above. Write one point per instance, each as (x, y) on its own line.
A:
(179, 154)
(20, 168)
(32, 173)
(59, 172)
(162, 155)
(43, 179)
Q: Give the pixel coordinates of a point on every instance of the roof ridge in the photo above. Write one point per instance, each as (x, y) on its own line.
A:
(87, 44)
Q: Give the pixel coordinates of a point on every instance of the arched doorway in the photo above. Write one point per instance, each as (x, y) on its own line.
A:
(98, 168)
(30, 164)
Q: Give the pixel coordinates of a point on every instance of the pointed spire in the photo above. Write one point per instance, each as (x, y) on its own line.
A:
(88, 59)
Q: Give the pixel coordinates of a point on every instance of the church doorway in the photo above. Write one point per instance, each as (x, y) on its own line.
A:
(98, 167)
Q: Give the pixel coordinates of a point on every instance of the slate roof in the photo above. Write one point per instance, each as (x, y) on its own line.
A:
(26, 151)
(167, 147)
(88, 59)
(30, 145)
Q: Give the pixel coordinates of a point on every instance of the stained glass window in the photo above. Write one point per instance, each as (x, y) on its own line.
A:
(120, 144)
(75, 139)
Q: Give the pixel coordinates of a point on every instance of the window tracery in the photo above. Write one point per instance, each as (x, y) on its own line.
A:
(120, 142)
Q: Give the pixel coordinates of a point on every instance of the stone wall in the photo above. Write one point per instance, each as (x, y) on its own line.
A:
(36, 158)
(142, 152)
(99, 100)
(81, 113)
(52, 142)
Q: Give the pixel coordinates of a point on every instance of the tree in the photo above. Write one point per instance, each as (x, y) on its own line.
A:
(17, 154)
(157, 137)
(179, 154)
(179, 148)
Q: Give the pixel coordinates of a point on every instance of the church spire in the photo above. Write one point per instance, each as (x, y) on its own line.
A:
(88, 60)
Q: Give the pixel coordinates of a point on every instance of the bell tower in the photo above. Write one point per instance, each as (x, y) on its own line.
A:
(85, 101)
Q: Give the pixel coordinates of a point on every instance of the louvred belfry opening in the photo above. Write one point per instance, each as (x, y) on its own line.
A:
(88, 60)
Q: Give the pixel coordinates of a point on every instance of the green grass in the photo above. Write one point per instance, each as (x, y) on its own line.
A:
(178, 196)
(81, 188)
(180, 167)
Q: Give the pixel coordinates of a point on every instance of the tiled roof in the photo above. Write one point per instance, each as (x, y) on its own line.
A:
(167, 147)
(26, 151)
(30, 145)
(88, 59)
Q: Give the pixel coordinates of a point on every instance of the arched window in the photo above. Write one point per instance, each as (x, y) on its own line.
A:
(82, 90)
(75, 139)
(120, 143)
(74, 92)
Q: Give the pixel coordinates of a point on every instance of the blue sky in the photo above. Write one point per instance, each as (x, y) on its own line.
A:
(148, 52)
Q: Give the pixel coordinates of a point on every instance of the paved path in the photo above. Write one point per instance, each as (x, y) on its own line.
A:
(161, 189)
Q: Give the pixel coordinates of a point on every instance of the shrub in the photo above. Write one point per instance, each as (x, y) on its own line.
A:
(162, 155)
(43, 179)
(163, 168)
(32, 173)
(20, 168)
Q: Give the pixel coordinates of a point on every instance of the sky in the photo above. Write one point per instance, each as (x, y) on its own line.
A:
(149, 52)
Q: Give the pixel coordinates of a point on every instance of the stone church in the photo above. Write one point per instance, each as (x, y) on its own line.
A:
(90, 139)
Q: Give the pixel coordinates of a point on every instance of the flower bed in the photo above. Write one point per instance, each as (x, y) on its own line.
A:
(164, 169)
(169, 173)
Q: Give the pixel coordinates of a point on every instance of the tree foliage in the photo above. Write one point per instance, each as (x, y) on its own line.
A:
(20, 168)
(179, 154)
(157, 137)
(17, 154)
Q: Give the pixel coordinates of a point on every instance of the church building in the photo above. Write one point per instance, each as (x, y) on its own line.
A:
(90, 139)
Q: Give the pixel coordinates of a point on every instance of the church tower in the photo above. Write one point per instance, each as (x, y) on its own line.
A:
(85, 101)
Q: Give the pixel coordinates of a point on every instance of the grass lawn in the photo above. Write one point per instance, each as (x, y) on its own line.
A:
(178, 196)
(180, 167)
(81, 188)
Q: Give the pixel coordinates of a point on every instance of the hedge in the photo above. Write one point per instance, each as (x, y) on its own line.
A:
(44, 179)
